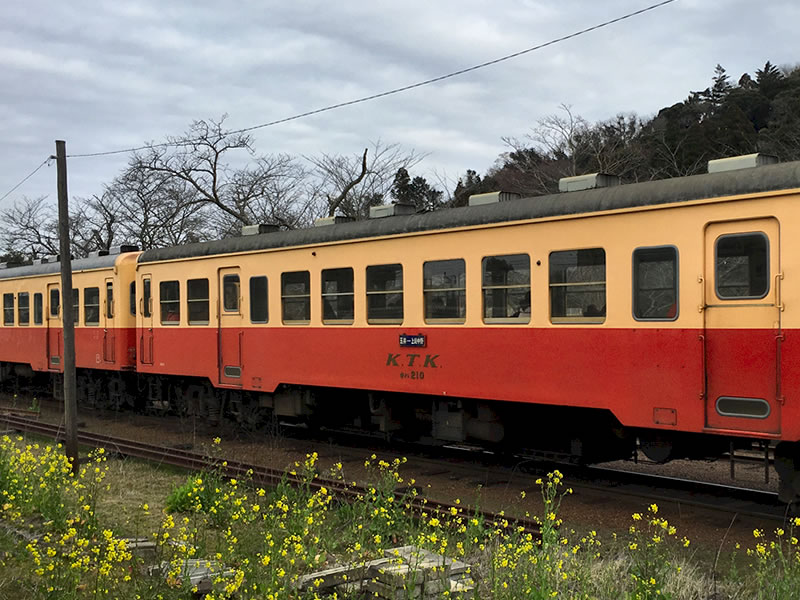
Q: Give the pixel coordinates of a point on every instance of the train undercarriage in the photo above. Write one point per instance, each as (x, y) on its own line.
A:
(577, 435)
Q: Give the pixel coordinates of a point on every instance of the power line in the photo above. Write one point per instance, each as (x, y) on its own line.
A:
(398, 90)
(9, 192)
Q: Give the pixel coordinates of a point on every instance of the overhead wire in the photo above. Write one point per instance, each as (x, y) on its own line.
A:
(31, 174)
(393, 91)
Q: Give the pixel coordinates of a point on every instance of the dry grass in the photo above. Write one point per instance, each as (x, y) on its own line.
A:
(132, 484)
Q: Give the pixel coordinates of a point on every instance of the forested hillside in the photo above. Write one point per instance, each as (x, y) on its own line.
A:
(759, 113)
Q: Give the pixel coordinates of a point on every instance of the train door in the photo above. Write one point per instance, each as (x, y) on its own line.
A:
(146, 331)
(53, 327)
(109, 332)
(230, 326)
(742, 308)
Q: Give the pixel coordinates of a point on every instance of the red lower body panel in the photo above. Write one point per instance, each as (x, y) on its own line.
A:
(641, 375)
(95, 348)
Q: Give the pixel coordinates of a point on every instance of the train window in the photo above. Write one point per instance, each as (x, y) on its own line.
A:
(385, 294)
(109, 300)
(91, 306)
(54, 302)
(747, 408)
(296, 296)
(23, 308)
(197, 300)
(132, 298)
(38, 304)
(507, 288)
(230, 293)
(742, 266)
(259, 307)
(76, 306)
(444, 290)
(337, 295)
(147, 299)
(8, 309)
(170, 298)
(655, 284)
(578, 286)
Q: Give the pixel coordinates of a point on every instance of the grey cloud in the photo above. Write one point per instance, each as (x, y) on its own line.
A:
(113, 75)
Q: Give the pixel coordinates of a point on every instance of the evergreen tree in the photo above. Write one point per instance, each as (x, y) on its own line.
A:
(471, 183)
(720, 88)
(770, 80)
(416, 191)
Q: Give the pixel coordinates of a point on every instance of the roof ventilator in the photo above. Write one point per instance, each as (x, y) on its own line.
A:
(391, 210)
(492, 198)
(587, 182)
(257, 229)
(337, 220)
(122, 249)
(746, 161)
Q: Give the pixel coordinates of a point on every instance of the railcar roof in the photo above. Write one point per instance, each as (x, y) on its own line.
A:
(682, 189)
(80, 264)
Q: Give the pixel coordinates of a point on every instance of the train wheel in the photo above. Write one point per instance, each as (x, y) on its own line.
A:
(659, 449)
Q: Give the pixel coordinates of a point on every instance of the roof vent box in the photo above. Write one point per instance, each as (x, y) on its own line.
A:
(587, 182)
(338, 219)
(391, 210)
(492, 198)
(257, 229)
(123, 248)
(746, 161)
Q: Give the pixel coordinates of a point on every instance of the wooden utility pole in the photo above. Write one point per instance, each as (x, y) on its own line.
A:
(67, 318)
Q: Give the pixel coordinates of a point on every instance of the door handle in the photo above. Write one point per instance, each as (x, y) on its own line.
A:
(778, 300)
(701, 280)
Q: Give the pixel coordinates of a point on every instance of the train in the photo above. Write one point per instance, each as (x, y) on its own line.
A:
(657, 315)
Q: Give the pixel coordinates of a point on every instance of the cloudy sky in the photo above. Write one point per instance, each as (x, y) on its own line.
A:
(108, 75)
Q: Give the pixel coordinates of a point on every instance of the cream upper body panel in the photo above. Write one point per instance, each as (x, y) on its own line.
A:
(617, 232)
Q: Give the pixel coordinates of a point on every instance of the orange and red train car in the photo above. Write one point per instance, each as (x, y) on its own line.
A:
(31, 338)
(579, 322)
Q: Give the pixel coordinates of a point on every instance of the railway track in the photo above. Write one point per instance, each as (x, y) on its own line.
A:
(257, 474)
(729, 498)
(732, 499)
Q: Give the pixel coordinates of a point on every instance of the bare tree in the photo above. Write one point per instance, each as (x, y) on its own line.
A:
(558, 136)
(612, 146)
(30, 228)
(564, 145)
(200, 161)
(95, 224)
(154, 210)
(274, 191)
(335, 203)
(538, 160)
(351, 184)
